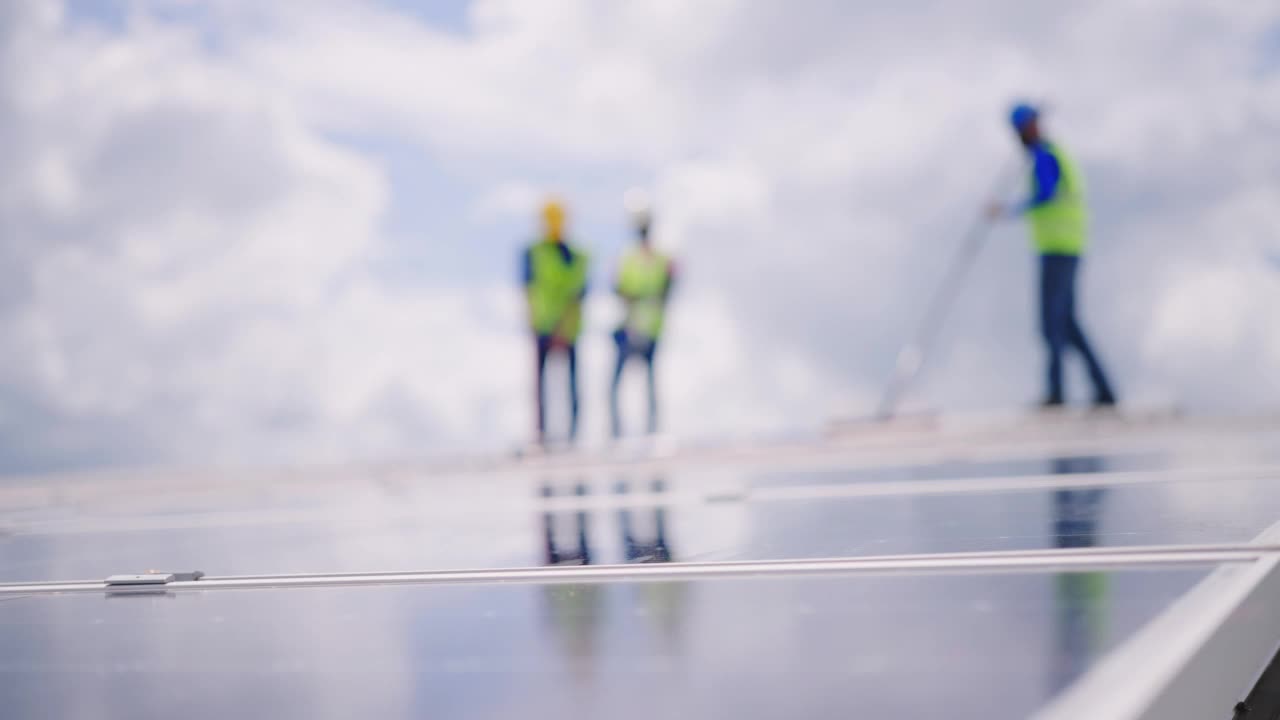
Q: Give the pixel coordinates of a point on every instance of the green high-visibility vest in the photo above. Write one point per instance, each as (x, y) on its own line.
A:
(643, 280)
(1060, 226)
(555, 292)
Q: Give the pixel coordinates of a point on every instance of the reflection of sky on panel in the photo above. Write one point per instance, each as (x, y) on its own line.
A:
(487, 522)
(736, 648)
(962, 470)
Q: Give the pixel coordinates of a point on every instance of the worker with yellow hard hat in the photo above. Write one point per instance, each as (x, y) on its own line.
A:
(555, 283)
(644, 282)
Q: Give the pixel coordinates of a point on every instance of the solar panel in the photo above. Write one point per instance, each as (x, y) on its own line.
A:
(912, 645)
(993, 569)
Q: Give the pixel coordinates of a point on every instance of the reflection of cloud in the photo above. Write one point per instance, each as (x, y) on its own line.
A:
(189, 219)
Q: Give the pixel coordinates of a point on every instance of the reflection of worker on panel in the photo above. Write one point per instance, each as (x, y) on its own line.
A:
(554, 273)
(574, 613)
(555, 553)
(644, 282)
(665, 603)
(1080, 597)
(640, 544)
(638, 550)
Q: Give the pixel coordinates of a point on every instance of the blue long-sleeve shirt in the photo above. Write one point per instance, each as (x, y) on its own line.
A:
(1047, 175)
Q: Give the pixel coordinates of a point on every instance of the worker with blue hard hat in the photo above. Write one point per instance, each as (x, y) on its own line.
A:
(1058, 218)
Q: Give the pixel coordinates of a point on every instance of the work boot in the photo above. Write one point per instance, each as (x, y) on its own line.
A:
(1052, 403)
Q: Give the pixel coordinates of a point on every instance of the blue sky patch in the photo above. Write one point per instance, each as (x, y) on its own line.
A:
(446, 15)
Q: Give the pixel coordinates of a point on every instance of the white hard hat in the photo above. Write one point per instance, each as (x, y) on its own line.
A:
(639, 206)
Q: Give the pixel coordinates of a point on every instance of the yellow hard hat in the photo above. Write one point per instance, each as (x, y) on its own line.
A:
(554, 217)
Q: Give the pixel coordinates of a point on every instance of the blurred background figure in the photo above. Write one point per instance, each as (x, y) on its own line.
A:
(554, 273)
(644, 281)
(1059, 229)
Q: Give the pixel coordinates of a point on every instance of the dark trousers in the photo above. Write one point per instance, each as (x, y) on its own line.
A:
(1062, 330)
(645, 353)
(544, 350)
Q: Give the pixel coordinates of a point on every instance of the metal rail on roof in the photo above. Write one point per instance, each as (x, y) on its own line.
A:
(1064, 560)
(1197, 659)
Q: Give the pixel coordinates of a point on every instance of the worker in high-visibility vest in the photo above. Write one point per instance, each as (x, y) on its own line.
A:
(644, 281)
(555, 282)
(1059, 218)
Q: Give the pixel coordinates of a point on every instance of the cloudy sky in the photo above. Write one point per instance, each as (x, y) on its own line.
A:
(236, 231)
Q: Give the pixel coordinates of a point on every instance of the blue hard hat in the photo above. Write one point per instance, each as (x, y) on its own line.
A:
(1022, 114)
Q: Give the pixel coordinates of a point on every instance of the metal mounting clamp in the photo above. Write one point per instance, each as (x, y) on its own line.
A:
(150, 581)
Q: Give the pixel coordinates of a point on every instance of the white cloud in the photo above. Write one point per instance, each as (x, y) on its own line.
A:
(511, 198)
(187, 247)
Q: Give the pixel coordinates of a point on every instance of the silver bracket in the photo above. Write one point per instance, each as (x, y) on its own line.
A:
(143, 579)
(149, 582)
